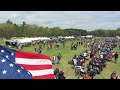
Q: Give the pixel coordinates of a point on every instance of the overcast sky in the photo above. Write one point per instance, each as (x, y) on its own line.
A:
(89, 20)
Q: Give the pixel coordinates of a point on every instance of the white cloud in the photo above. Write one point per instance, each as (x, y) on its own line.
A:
(88, 20)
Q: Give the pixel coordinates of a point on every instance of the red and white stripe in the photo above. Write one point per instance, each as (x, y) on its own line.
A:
(40, 66)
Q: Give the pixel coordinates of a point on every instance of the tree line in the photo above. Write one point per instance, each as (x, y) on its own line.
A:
(10, 29)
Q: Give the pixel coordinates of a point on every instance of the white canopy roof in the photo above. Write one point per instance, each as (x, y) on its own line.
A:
(27, 40)
(69, 37)
(24, 41)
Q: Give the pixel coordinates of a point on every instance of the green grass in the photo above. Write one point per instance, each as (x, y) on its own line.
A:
(67, 55)
(1, 41)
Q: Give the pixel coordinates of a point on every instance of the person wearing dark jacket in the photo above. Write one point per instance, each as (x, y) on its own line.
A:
(59, 56)
(116, 57)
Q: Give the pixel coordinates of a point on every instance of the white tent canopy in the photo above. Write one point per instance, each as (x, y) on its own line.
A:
(24, 41)
(32, 39)
(44, 38)
(38, 38)
(29, 40)
(69, 37)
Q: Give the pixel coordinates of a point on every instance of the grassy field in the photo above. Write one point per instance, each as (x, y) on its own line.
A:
(67, 55)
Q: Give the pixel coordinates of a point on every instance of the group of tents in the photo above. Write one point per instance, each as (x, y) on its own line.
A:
(14, 41)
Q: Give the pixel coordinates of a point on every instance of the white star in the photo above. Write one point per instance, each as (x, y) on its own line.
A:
(2, 51)
(22, 67)
(11, 65)
(3, 60)
(28, 72)
(12, 54)
(4, 72)
(7, 56)
(18, 71)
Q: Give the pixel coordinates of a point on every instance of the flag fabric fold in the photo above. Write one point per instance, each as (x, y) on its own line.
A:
(15, 64)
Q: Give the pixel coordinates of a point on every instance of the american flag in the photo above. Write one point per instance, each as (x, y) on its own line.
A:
(15, 64)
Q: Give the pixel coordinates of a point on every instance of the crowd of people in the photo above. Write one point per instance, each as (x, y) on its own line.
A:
(97, 55)
(56, 59)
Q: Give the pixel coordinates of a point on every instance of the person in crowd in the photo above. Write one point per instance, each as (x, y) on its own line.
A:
(44, 43)
(91, 55)
(81, 43)
(54, 59)
(75, 46)
(116, 57)
(101, 56)
(75, 56)
(35, 49)
(20, 47)
(40, 46)
(85, 54)
(56, 46)
(75, 61)
(63, 43)
(59, 56)
(72, 45)
(114, 75)
(92, 73)
(56, 72)
(50, 46)
(59, 74)
(17, 46)
(86, 76)
(39, 50)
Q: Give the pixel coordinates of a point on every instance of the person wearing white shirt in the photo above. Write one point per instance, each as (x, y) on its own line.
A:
(85, 54)
(75, 62)
(101, 56)
(54, 59)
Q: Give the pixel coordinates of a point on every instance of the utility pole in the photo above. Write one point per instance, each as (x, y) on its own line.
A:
(24, 28)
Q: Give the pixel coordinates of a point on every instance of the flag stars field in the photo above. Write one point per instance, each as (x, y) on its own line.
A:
(30, 65)
(12, 54)
(22, 67)
(11, 65)
(2, 51)
(3, 60)
(19, 71)
(4, 72)
(7, 56)
(28, 72)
